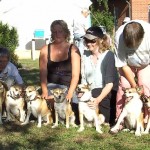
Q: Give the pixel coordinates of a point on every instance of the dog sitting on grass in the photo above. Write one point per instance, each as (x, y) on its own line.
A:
(132, 112)
(87, 115)
(15, 103)
(37, 106)
(63, 109)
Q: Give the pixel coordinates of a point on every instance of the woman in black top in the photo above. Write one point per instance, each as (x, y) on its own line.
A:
(59, 62)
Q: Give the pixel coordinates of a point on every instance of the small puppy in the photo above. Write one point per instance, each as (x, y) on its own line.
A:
(3, 90)
(86, 114)
(63, 109)
(146, 102)
(15, 104)
(132, 112)
(37, 106)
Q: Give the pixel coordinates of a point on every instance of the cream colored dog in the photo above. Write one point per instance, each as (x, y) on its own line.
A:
(63, 109)
(132, 112)
(146, 101)
(86, 114)
(3, 90)
(15, 104)
(37, 106)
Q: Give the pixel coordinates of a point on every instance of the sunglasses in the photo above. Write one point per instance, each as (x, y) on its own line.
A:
(90, 41)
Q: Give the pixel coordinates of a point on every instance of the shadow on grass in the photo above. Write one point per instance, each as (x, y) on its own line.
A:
(30, 76)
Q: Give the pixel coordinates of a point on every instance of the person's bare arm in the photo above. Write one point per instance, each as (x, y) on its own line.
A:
(129, 75)
(106, 90)
(43, 71)
(75, 60)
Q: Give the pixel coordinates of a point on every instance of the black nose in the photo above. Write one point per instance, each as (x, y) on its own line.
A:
(79, 89)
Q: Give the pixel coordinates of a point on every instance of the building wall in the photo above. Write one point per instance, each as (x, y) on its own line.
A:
(140, 9)
(29, 15)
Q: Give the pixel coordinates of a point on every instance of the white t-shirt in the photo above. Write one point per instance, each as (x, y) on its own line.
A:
(80, 24)
(141, 57)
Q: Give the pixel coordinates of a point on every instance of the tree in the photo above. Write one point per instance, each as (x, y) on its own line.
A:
(101, 15)
(9, 40)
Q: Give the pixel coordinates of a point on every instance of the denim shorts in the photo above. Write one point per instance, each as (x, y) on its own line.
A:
(53, 86)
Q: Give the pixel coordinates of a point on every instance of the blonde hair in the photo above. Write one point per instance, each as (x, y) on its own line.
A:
(104, 43)
(64, 26)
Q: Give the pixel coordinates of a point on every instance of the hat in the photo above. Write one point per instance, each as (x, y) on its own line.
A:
(126, 19)
(93, 33)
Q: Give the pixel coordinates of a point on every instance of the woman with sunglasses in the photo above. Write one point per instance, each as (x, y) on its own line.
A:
(98, 70)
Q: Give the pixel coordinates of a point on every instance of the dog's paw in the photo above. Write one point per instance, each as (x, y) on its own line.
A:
(39, 125)
(74, 125)
(55, 126)
(126, 130)
(99, 131)
(145, 132)
(45, 123)
(80, 129)
(137, 134)
(114, 130)
(24, 123)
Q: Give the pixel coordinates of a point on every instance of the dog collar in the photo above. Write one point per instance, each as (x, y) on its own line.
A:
(85, 101)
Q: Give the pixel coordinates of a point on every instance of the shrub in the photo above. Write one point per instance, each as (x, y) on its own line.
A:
(9, 39)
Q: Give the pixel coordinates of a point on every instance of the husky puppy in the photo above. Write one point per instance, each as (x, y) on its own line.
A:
(86, 114)
(132, 112)
(37, 106)
(63, 109)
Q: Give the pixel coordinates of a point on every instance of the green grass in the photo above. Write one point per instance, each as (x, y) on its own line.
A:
(13, 136)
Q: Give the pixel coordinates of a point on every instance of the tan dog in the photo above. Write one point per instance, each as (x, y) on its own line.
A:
(132, 112)
(15, 104)
(37, 106)
(86, 114)
(3, 89)
(63, 109)
(146, 101)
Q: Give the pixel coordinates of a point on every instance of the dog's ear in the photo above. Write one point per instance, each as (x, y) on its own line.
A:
(37, 88)
(52, 91)
(140, 89)
(123, 89)
(65, 90)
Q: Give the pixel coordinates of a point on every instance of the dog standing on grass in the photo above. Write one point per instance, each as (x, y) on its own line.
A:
(15, 104)
(86, 114)
(63, 108)
(132, 112)
(37, 106)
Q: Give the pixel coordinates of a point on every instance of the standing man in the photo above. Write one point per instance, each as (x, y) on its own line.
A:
(80, 25)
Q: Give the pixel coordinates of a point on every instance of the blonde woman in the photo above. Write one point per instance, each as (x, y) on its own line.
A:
(98, 69)
(59, 62)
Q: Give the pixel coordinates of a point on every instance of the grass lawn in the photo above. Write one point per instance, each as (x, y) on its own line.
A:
(29, 137)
